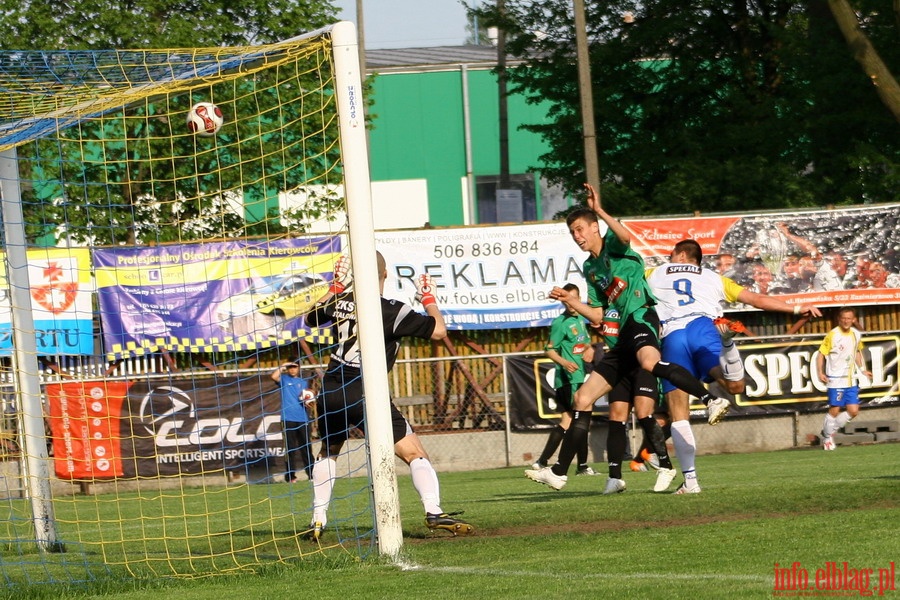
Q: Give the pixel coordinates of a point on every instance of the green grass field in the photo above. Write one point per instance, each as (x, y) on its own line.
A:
(803, 506)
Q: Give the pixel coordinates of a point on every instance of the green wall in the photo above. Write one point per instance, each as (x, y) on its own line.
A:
(418, 133)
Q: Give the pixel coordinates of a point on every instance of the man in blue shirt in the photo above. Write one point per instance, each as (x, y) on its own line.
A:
(296, 398)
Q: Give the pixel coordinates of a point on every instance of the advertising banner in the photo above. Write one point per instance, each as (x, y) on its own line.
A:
(828, 258)
(211, 297)
(191, 426)
(251, 294)
(487, 277)
(532, 402)
(499, 277)
(780, 379)
(61, 292)
(180, 426)
(84, 424)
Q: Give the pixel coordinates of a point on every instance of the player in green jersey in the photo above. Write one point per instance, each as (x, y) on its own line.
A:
(615, 277)
(569, 347)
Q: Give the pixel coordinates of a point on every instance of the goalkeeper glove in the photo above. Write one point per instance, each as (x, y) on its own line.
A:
(343, 275)
(425, 290)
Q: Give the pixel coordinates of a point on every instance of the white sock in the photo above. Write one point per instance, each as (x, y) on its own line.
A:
(690, 479)
(730, 361)
(425, 480)
(685, 446)
(842, 419)
(830, 426)
(323, 484)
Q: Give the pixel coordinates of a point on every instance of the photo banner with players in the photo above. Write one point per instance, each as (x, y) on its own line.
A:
(61, 302)
(211, 297)
(177, 426)
(827, 258)
(780, 379)
(498, 277)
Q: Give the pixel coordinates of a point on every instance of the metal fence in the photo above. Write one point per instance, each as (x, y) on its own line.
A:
(437, 394)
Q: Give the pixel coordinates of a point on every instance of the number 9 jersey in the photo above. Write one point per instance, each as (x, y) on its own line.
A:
(685, 292)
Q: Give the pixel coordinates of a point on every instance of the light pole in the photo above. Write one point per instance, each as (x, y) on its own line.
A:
(591, 160)
(361, 38)
(503, 114)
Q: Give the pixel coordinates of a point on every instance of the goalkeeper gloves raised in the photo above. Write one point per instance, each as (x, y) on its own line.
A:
(343, 275)
(425, 290)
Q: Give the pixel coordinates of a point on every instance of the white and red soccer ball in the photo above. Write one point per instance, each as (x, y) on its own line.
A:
(205, 118)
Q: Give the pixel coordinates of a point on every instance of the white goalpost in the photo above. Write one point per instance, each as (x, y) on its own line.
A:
(35, 467)
(368, 297)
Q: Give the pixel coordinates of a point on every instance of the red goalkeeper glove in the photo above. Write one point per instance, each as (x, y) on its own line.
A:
(425, 290)
(343, 275)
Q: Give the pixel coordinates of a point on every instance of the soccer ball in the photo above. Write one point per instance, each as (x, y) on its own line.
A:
(205, 118)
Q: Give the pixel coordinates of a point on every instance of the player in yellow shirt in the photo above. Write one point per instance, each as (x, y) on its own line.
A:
(838, 362)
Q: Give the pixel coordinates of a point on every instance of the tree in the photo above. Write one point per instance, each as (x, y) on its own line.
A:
(133, 154)
(708, 106)
(865, 54)
(86, 25)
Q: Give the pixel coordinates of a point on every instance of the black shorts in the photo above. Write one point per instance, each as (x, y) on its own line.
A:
(639, 330)
(341, 407)
(639, 382)
(564, 396)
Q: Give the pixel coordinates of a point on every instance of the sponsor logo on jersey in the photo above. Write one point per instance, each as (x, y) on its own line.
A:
(615, 289)
(682, 268)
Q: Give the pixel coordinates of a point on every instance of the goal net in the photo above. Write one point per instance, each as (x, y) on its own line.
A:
(169, 216)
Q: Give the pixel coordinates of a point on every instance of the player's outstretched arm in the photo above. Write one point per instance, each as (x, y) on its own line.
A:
(804, 244)
(594, 314)
(425, 296)
(771, 303)
(593, 202)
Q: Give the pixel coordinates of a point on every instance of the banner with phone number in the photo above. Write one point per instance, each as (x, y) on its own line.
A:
(487, 278)
(499, 277)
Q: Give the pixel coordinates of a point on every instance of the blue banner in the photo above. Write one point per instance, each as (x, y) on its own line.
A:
(211, 297)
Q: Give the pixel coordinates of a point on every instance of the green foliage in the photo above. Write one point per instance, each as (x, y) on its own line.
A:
(132, 175)
(711, 106)
(135, 176)
(88, 25)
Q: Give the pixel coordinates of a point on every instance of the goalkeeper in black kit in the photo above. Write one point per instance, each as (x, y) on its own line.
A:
(340, 405)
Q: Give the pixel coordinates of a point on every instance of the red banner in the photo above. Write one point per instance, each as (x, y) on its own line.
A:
(829, 258)
(657, 238)
(179, 426)
(84, 422)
